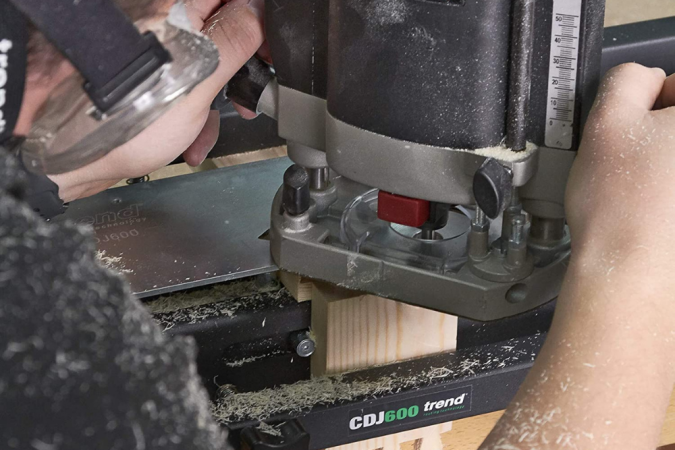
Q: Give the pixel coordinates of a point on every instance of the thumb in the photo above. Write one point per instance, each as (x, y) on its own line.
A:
(628, 91)
(238, 32)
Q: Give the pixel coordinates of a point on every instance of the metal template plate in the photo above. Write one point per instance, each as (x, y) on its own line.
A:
(187, 231)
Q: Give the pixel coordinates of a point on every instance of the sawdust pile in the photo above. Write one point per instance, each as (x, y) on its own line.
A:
(114, 263)
(217, 301)
(296, 397)
(269, 429)
(241, 362)
(212, 294)
(302, 396)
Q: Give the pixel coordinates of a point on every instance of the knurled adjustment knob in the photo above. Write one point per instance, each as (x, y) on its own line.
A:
(492, 187)
(295, 197)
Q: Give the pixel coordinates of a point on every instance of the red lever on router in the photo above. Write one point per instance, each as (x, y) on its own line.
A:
(402, 210)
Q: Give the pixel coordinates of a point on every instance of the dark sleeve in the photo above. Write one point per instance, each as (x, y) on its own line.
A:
(82, 364)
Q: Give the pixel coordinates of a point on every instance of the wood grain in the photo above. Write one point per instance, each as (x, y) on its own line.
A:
(468, 434)
(429, 438)
(354, 331)
(367, 330)
(301, 288)
(249, 157)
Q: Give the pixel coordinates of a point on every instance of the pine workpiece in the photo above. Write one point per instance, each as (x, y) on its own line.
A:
(354, 331)
(620, 12)
(300, 287)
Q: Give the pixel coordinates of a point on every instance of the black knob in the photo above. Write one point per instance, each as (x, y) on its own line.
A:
(295, 198)
(247, 86)
(492, 186)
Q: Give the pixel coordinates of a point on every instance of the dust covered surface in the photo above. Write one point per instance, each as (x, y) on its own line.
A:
(302, 396)
(431, 51)
(114, 263)
(250, 359)
(272, 430)
(82, 364)
(223, 300)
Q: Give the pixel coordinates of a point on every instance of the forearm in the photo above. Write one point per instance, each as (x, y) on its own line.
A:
(604, 377)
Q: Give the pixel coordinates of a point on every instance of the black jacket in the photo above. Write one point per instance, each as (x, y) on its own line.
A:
(82, 364)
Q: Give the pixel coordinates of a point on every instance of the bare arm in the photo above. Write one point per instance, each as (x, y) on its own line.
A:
(605, 375)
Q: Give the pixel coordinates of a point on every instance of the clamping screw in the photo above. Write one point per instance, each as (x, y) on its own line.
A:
(303, 344)
(480, 223)
(516, 253)
(518, 229)
(479, 236)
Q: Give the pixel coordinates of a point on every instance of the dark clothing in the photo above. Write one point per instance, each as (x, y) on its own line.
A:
(82, 364)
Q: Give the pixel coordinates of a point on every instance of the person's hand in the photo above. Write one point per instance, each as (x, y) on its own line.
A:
(236, 28)
(621, 193)
(613, 326)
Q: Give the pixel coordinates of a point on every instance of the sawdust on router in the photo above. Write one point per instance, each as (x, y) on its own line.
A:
(505, 154)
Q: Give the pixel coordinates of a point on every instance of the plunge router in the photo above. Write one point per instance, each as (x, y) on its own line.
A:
(432, 142)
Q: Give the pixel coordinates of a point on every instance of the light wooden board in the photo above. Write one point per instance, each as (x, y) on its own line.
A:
(668, 432)
(354, 331)
(301, 288)
(249, 157)
(429, 438)
(367, 330)
(468, 434)
(628, 11)
(176, 170)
